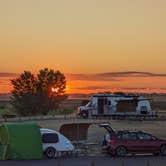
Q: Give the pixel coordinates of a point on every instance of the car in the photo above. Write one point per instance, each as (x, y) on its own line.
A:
(125, 142)
(54, 143)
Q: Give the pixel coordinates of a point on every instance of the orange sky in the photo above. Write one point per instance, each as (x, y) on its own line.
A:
(76, 83)
(89, 36)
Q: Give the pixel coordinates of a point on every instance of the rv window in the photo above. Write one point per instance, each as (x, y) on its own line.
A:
(144, 110)
(105, 101)
(89, 104)
(50, 138)
(109, 102)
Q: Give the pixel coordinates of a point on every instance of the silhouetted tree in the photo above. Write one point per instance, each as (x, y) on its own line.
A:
(32, 95)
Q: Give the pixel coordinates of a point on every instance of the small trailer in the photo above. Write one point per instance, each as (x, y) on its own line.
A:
(116, 105)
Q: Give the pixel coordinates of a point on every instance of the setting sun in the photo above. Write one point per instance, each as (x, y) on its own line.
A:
(54, 90)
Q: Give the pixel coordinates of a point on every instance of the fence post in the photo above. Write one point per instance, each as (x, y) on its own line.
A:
(123, 163)
(147, 163)
(92, 163)
(59, 164)
(19, 118)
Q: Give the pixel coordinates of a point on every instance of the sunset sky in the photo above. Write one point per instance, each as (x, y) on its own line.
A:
(88, 37)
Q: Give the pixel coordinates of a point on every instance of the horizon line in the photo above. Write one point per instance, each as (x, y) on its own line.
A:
(102, 74)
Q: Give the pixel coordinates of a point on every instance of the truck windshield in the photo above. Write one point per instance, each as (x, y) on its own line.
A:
(89, 104)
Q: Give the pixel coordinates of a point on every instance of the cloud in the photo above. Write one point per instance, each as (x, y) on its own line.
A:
(92, 88)
(90, 77)
(8, 74)
(110, 81)
(131, 74)
(112, 76)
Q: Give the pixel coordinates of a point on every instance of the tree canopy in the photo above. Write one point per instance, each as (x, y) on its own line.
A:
(38, 94)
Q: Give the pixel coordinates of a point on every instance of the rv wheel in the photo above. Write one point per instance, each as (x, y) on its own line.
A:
(50, 152)
(85, 115)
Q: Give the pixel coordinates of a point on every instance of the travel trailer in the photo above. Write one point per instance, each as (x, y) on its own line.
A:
(116, 105)
(54, 143)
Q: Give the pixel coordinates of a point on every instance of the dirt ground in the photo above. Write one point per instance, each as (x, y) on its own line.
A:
(95, 161)
(95, 133)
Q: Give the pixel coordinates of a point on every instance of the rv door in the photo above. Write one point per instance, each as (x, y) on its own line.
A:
(100, 103)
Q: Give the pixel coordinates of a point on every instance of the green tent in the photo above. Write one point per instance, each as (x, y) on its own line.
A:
(20, 141)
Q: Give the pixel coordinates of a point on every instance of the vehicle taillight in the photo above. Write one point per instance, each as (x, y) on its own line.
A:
(112, 141)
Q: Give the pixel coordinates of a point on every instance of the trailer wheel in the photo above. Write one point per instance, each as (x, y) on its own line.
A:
(50, 152)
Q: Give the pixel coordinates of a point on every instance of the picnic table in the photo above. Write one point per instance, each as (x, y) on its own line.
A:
(85, 148)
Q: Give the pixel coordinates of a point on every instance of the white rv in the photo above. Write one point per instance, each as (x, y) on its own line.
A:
(116, 104)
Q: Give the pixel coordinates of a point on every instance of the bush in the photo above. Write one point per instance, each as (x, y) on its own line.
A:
(66, 111)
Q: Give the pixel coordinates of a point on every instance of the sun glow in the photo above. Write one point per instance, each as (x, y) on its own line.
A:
(54, 90)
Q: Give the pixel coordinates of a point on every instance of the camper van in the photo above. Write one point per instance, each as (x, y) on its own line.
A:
(116, 105)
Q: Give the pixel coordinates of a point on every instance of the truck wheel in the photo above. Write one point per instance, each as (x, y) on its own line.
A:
(50, 153)
(85, 115)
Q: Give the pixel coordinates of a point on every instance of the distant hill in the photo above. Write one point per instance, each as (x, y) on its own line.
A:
(5, 96)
